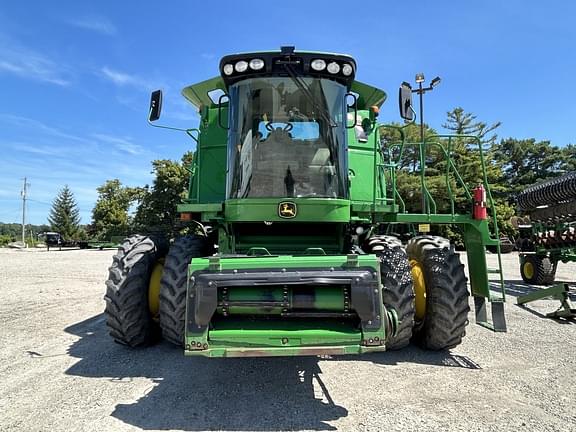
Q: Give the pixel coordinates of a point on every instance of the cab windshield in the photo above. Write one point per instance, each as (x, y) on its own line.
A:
(287, 138)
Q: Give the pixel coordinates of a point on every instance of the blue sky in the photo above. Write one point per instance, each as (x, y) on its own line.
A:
(76, 76)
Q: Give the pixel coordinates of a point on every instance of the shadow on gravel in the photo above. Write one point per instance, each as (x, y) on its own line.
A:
(192, 394)
(413, 354)
(204, 394)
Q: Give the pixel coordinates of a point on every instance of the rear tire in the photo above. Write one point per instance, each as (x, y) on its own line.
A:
(398, 293)
(446, 317)
(127, 311)
(174, 283)
(537, 270)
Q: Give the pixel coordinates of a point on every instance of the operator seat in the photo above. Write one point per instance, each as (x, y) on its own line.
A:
(275, 166)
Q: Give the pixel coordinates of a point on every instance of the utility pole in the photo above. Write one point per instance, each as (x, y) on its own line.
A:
(23, 193)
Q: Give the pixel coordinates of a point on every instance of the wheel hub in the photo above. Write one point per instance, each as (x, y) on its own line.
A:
(154, 289)
(419, 289)
(528, 270)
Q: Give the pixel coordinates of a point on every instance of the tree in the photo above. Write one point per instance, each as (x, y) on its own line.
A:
(568, 159)
(462, 123)
(110, 214)
(64, 216)
(157, 209)
(525, 162)
(410, 154)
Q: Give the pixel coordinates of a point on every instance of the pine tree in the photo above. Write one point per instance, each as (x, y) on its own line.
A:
(462, 123)
(64, 216)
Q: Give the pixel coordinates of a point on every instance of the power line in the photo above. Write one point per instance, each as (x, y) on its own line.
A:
(39, 202)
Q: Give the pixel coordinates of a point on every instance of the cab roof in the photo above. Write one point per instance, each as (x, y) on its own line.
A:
(207, 93)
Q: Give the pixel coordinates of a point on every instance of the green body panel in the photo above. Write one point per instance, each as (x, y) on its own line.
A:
(198, 94)
(282, 339)
(208, 180)
(279, 334)
(307, 210)
(285, 261)
(368, 95)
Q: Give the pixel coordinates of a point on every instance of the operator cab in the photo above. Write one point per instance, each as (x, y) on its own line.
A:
(287, 124)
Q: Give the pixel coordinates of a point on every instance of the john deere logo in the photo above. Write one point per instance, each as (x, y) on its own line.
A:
(287, 210)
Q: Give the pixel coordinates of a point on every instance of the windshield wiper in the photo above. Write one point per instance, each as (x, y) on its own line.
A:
(323, 112)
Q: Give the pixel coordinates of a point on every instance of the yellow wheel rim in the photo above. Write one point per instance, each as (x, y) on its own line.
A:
(419, 289)
(528, 270)
(154, 288)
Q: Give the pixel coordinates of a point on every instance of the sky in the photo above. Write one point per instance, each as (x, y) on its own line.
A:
(75, 77)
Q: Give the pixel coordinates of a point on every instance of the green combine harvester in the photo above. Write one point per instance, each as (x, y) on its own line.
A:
(291, 193)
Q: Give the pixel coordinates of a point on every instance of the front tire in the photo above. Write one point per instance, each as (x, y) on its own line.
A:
(127, 310)
(441, 323)
(174, 283)
(398, 293)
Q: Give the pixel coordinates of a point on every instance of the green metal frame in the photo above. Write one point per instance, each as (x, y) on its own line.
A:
(477, 233)
(559, 292)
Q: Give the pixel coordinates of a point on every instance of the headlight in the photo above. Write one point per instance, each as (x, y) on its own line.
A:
(228, 69)
(256, 64)
(347, 69)
(241, 66)
(318, 64)
(333, 68)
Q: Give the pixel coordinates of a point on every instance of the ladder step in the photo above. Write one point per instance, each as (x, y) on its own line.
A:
(494, 271)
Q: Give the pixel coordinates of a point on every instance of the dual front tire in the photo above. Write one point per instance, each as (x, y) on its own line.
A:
(427, 287)
(141, 305)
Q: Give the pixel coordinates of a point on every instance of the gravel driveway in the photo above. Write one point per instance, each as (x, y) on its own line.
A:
(60, 371)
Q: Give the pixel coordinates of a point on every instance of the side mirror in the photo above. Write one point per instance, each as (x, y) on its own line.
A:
(405, 102)
(155, 105)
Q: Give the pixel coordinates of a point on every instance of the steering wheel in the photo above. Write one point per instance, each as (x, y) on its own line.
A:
(287, 126)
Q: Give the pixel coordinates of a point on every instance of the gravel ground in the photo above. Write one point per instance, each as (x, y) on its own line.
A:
(60, 371)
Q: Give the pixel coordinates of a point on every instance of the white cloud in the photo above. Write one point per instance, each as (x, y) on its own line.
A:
(120, 143)
(29, 64)
(35, 149)
(97, 24)
(29, 123)
(123, 79)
